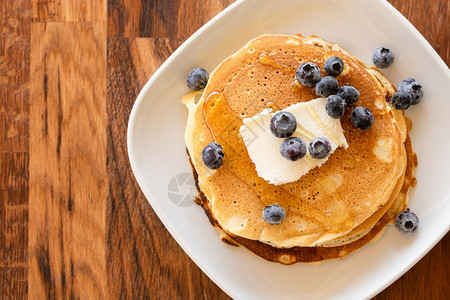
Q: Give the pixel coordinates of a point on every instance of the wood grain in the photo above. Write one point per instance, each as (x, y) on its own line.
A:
(68, 10)
(67, 162)
(73, 221)
(14, 75)
(143, 261)
(13, 224)
(14, 146)
(173, 275)
(174, 19)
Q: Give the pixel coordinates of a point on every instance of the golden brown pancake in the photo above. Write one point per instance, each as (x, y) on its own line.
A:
(318, 254)
(337, 205)
(370, 222)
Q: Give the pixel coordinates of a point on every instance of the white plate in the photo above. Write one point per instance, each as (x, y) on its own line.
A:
(157, 150)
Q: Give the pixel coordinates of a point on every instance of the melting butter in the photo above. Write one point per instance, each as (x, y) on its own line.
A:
(264, 148)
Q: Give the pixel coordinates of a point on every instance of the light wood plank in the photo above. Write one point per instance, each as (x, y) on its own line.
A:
(67, 161)
(68, 10)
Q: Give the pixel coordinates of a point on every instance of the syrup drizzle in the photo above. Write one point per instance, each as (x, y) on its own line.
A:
(248, 185)
(214, 96)
(272, 106)
(206, 119)
(296, 87)
(269, 61)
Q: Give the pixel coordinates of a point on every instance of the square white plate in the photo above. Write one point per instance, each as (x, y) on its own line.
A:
(157, 150)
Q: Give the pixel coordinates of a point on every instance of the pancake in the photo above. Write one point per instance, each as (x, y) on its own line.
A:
(369, 223)
(365, 227)
(319, 254)
(339, 204)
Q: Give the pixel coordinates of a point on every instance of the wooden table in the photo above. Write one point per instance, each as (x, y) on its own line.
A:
(74, 222)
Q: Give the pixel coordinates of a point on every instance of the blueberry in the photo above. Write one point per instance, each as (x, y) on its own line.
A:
(348, 93)
(401, 100)
(335, 106)
(319, 147)
(334, 66)
(407, 222)
(412, 87)
(362, 118)
(308, 74)
(283, 124)
(405, 82)
(212, 155)
(326, 86)
(293, 148)
(197, 79)
(274, 214)
(382, 57)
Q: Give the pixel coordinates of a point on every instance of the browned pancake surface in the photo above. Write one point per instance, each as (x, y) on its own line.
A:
(318, 254)
(328, 202)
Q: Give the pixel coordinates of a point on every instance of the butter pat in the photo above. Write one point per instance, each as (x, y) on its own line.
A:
(264, 148)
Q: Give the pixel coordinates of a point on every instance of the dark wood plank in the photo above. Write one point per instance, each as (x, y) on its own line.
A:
(174, 19)
(14, 75)
(68, 10)
(67, 169)
(14, 146)
(431, 19)
(13, 224)
(143, 260)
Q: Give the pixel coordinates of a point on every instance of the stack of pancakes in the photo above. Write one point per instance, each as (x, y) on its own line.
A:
(331, 211)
